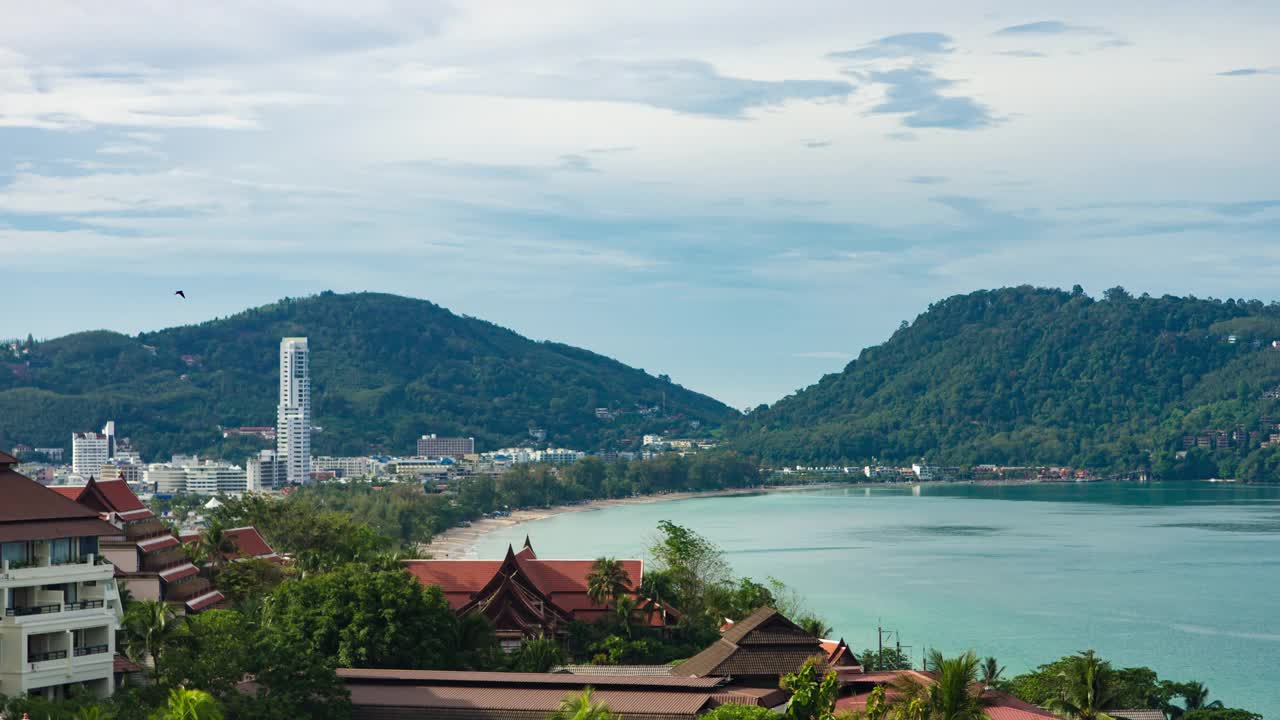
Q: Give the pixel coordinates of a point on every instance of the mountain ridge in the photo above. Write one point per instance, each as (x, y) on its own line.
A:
(386, 369)
(1029, 375)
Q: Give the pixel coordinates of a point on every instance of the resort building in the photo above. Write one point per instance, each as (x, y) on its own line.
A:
(61, 605)
(755, 651)
(189, 475)
(526, 597)
(293, 415)
(147, 556)
(264, 473)
(455, 447)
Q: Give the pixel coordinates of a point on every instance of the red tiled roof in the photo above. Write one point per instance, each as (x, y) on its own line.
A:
(564, 581)
(161, 542)
(70, 492)
(123, 664)
(521, 679)
(249, 541)
(209, 599)
(121, 496)
(520, 703)
(1002, 706)
(185, 570)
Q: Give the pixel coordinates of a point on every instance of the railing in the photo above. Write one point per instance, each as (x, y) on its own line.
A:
(163, 560)
(187, 589)
(91, 650)
(83, 605)
(51, 655)
(32, 610)
(145, 529)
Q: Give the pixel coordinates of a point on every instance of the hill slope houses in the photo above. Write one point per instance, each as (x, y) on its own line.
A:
(1027, 375)
(385, 369)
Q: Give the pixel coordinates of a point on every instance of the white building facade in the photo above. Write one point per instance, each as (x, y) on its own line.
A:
(293, 415)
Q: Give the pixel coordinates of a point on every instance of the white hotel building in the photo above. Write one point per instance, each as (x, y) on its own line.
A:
(293, 416)
(60, 604)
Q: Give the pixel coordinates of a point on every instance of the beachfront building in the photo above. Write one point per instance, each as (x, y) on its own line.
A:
(60, 604)
(527, 597)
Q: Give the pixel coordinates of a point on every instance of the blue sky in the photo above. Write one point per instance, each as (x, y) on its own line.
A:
(741, 195)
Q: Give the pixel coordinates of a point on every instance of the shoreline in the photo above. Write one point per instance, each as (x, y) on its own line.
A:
(459, 542)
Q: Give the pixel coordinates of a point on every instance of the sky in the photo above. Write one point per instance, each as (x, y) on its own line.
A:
(740, 195)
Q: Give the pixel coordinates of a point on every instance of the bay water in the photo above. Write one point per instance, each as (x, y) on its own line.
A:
(1181, 577)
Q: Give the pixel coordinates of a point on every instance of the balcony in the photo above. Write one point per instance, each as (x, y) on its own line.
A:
(145, 529)
(163, 560)
(84, 605)
(46, 656)
(91, 650)
(184, 591)
(32, 610)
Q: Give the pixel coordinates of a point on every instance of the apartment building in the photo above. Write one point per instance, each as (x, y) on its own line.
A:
(293, 415)
(61, 605)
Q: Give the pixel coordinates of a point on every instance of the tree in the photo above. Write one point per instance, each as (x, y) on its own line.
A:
(249, 578)
(625, 608)
(1195, 696)
(148, 627)
(583, 707)
(1087, 689)
(811, 698)
(357, 616)
(1220, 714)
(991, 672)
(955, 693)
(693, 564)
(538, 655)
(214, 652)
(607, 581)
(187, 704)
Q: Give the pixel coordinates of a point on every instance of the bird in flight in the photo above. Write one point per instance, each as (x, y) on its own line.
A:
(179, 292)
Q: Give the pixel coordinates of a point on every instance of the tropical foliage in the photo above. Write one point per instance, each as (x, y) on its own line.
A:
(583, 706)
(384, 370)
(1035, 376)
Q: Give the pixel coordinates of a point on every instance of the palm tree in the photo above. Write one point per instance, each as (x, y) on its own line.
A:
(991, 672)
(625, 607)
(582, 707)
(607, 581)
(815, 626)
(149, 626)
(189, 705)
(955, 694)
(1195, 696)
(213, 546)
(1088, 689)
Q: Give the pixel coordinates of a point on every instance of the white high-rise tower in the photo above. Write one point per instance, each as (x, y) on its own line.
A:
(293, 417)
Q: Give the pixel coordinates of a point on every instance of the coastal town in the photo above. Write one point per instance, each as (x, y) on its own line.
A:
(99, 554)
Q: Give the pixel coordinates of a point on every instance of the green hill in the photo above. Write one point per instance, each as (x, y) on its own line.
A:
(385, 369)
(1026, 375)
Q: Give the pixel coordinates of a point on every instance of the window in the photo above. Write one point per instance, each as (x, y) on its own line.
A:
(16, 552)
(60, 551)
(88, 546)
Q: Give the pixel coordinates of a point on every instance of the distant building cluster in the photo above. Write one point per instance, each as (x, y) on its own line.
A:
(1239, 437)
(922, 472)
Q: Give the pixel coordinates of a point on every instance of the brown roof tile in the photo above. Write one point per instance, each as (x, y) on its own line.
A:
(483, 703)
(466, 677)
(763, 643)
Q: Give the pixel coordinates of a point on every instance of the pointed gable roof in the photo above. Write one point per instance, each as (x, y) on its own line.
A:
(512, 599)
(765, 643)
(107, 496)
(526, 552)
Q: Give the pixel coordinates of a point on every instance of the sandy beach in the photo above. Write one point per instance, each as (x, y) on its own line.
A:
(459, 543)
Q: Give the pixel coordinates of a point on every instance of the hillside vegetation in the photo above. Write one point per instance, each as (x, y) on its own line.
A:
(385, 370)
(1037, 376)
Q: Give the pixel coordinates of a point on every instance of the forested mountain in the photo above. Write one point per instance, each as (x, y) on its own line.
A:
(385, 369)
(1027, 375)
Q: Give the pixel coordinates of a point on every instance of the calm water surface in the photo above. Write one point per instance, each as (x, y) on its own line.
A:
(1184, 578)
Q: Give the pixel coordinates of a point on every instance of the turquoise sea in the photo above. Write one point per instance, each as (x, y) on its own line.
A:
(1184, 578)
